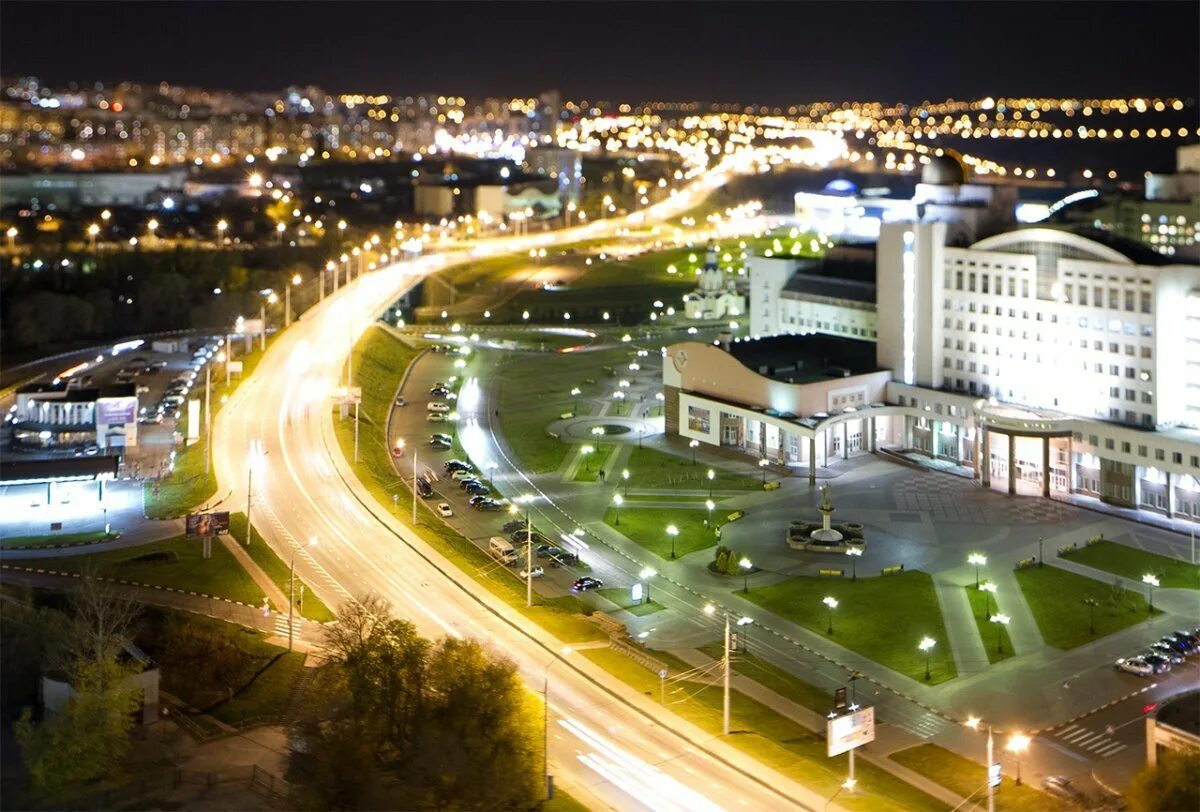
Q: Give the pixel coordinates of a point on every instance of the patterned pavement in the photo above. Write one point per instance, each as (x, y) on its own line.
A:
(953, 500)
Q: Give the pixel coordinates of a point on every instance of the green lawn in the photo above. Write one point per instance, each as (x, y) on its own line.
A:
(772, 676)
(55, 538)
(883, 618)
(622, 597)
(562, 617)
(647, 527)
(278, 571)
(591, 465)
(1056, 598)
(175, 562)
(981, 606)
(968, 779)
(652, 468)
(562, 802)
(220, 668)
(1132, 563)
(776, 741)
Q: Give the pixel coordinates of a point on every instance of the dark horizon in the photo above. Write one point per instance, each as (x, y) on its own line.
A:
(744, 53)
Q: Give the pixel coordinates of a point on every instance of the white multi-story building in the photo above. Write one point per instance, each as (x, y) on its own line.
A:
(1048, 361)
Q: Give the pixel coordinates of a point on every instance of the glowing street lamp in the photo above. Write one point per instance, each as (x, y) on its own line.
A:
(746, 566)
(92, 231)
(1018, 743)
(672, 532)
(618, 500)
(1150, 581)
(222, 225)
(855, 553)
(832, 603)
(694, 444)
(711, 476)
(988, 589)
(12, 233)
(926, 645)
(1001, 621)
(587, 452)
(710, 504)
(763, 463)
(978, 559)
(625, 478)
(645, 575)
(575, 392)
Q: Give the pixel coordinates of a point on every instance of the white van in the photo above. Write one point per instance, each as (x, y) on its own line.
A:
(439, 408)
(502, 550)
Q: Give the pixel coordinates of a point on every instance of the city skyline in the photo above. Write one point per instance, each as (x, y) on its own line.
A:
(810, 51)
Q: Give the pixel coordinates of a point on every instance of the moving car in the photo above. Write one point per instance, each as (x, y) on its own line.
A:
(538, 572)
(445, 437)
(439, 444)
(398, 450)
(424, 488)
(586, 583)
(1135, 666)
(400, 401)
(1061, 786)
(444, 510)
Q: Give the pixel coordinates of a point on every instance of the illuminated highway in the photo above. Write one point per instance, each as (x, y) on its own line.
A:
(609, 745)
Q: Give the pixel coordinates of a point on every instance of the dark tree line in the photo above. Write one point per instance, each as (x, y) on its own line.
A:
(96, 297)
(402, 722)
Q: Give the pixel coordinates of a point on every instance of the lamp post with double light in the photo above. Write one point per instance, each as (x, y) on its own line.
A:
(978, 559)
(618, 500)
(672, 532)
(1150, 581)
(855, 553)
(1001, 621)
(926, 645)
(832, 603)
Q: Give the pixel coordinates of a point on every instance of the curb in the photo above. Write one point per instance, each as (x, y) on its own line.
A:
(112, 537)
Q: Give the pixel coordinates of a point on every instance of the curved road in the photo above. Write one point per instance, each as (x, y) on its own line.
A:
(608, 744)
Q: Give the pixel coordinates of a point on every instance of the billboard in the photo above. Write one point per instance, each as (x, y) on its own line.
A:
(699, 420)
(193, 420)
(207, 524)
(850, 730)
(115, 411)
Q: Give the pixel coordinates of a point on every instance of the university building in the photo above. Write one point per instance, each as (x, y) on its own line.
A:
(1047, 361)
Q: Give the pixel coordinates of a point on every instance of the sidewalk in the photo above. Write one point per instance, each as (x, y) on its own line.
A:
(969, 653)
(816, 723)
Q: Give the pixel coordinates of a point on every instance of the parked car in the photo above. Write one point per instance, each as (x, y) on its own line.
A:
(477, 489)
(442, 437)
(548, 551)
(488, 504)
(457, 465)
(1163, 650)
(465, 483)
(1176, 644)
(1135, 666)
(434, 417)
(538, 572)
(1159, 663)
(586, 583)
(424, 488)
(462, 474)
(444, 510)
(475, 499)
(440, 408)
(538, 538)
(439, 445)
(513, 525)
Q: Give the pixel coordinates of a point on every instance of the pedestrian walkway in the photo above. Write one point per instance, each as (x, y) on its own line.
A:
(969, 653)
(1097, 744)
(1022, 628)
(278, 599)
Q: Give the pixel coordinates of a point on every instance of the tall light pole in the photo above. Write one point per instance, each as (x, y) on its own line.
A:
(988, 589)
(255, 458)
(1018, 743)
(709, 505)
(221, 226)
(12, 238)
(92, 231)
(711, 610)
(287, 300)
(546, 721)
(414, 488)
(1150, 581)
(292, 591)
(208, 410)
(978, 559)
(672, 532)
(973, 723)
(926, 645)
(832, 603)
(575, 392)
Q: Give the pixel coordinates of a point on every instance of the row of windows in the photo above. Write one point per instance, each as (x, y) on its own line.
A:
(982, 283)
(1134, 302)
(1160, 454)
(1113, 325)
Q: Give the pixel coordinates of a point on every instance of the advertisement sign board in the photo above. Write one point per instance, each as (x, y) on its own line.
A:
(850, 730)
(193, 420)
(115, 411)
(207, 524)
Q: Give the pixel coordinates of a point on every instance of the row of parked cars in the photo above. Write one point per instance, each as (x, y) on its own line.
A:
(1164, 654)
(479, 495)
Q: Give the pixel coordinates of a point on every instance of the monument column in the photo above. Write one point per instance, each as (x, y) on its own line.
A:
(1012, 464)
(1046, 467)
(845, 439)
(983, 460)
(812, 460)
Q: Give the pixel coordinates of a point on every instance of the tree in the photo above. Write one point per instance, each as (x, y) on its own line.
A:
(87, 738)
(1173, 783)
(399, 722)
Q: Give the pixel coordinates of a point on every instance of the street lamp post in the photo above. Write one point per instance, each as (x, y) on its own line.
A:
(1018, 743)
(1040, 557)
(1150, 581)
(1091, 604)
(855, 553)
(709, 504)
(587, 456)
(1001, 621)
(672, 532)
(973, 723)
(710, 610)
(645, 575)
(988, 589)
(292, 592)
(746, 567)
(978, 559)
(926, 645)
(832, 603)
(694, 444)
(618, 500)
(256, 456)
(575, 392)
(625, 480)
(711, 476)
(763, 463)
(546, 723)
(287, 300)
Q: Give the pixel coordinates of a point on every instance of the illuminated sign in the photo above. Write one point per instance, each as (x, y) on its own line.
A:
(116, 411)
(843, 733)
(206, 524)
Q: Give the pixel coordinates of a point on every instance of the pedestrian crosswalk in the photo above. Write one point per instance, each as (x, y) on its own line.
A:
(1097, 743)
(281, 626)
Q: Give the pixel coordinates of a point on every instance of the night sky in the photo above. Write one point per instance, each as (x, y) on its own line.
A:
(775, 53)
